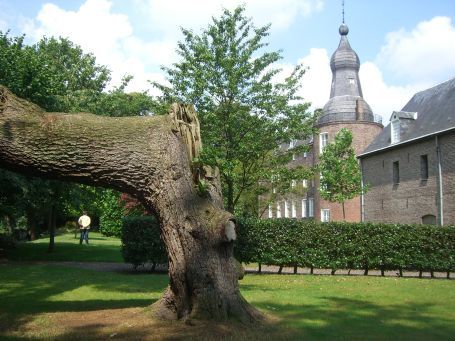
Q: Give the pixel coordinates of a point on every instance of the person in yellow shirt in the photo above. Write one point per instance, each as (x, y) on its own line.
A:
(84, 226)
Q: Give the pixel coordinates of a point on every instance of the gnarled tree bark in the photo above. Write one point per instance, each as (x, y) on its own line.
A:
(149, 158)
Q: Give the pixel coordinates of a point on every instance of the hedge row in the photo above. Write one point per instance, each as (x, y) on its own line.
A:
(306, 243)
(335, 245)
(141, 242)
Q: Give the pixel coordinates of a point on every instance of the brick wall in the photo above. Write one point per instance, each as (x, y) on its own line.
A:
(411, 199)
(447, 143)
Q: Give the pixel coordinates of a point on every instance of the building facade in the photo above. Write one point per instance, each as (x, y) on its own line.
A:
(346, 108)
(410, 166)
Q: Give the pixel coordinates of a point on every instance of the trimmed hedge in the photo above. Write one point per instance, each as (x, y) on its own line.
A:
(141, 242)
(340, 245)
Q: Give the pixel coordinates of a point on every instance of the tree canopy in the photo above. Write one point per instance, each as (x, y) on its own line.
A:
(57, 75)
(245, 112)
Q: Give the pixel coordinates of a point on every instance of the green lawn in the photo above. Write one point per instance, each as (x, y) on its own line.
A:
(67, 248)
(37, 301)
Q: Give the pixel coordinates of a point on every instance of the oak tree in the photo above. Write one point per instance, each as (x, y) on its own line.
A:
(150, 159)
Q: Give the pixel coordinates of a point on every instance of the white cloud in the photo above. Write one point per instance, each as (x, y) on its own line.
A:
(109, 36)
(384, 98)
(168, 15)
(317, 79)
(425, 54)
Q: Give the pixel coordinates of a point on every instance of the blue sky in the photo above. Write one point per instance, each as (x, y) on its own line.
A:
(404, 45)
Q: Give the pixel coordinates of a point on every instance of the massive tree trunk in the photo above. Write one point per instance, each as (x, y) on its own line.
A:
(149, 158)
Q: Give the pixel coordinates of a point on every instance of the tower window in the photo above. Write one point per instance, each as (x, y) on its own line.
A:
(323, 141)
(351, 81)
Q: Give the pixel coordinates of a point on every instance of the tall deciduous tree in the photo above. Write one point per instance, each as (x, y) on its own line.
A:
(341, 178)
(149, 158)
(244, 113)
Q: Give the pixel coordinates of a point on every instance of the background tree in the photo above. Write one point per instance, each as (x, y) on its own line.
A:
(59, 76)
(341, 178)
(245, 113)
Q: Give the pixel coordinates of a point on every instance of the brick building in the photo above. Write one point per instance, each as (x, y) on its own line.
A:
(346, 108)
(410, 166)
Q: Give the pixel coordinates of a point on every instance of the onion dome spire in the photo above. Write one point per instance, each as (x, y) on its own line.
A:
(346, 101)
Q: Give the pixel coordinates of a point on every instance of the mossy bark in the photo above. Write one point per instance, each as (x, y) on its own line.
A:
(149, 158)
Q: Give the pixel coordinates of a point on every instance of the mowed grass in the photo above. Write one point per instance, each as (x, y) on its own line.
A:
(67, 248)
(56, 302)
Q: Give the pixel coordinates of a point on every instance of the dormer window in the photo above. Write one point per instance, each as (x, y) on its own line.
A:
(395, 127)
(395, 130)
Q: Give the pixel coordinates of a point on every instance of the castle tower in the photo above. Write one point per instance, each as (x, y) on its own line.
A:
(346, 108)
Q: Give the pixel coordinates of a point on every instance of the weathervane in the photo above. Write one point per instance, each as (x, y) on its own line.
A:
(342, 5)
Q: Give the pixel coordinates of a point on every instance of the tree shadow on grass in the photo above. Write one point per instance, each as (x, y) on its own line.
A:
(351, 319)
(28, 290)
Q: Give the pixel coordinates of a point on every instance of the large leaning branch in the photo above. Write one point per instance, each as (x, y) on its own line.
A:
(93, 149)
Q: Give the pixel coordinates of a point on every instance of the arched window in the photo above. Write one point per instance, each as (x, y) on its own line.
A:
(429, 219)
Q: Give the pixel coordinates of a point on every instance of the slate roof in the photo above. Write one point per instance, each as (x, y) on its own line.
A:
(435, 109)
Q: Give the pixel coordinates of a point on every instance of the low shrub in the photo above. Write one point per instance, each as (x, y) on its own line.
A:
(112, 214)
(141, 242)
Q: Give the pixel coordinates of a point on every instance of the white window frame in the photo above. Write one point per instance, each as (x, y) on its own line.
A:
(293, 183)
(270, 211)
(278, 209)
(304, 204)
(304, 183)
(294, 210)
(395, 131)
(286, 209)
(323, 141)
(325, 215)
(310, 207)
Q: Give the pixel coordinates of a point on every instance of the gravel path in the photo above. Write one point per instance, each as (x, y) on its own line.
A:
(266, 269)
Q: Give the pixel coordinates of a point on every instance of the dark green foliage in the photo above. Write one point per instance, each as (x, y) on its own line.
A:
(112, 213)
(7, 242)
(141, 242)
(340, 245)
